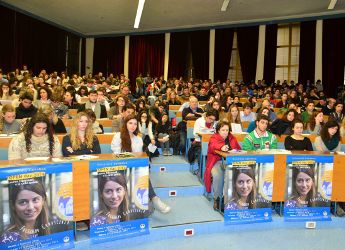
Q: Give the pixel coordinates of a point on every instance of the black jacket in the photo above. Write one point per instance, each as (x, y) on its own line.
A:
(22, 112)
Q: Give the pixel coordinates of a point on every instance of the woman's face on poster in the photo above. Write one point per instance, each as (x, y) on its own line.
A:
(303, 184)
(113, 194)
(244, 185)
(28, 205)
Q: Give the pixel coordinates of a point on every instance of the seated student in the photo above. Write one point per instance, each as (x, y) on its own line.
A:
(96, 127)
(145, 128)
(247, 115)
(128, 140)
(329, 108)
(315, 123)
(283, 103)
(283, 126)
(252, 125)
(44, 94)
(81, 139)
(337, 115)
(205, 124)
(202, 96)
(60, 109)
(329, 139)
(156, 113)
(260, 138)
(224, 141)
(267, 104)
(117, 123)
(163, 129)
(173, 99)
(8, 123)
(297, 141)
(237, 102)
(96, 107)
(308, 112)
(119, 104)
(36, 140)
(57, 124)
(25, 109)
(193, 112)
(70, 99)
(234, 119)
(227, 102)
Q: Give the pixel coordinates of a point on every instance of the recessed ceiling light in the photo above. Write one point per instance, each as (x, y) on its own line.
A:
(139, 12)
(225, 5)
(332, 4)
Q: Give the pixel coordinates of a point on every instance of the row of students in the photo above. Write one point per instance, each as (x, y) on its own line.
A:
(261, 139)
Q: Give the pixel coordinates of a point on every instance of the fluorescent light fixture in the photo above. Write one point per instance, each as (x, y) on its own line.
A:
(139, 12)
(225, 5)
(332, 4)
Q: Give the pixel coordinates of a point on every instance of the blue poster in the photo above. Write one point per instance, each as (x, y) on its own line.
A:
(309, 188)
(119, 199)
(248, 189)
(36, 204)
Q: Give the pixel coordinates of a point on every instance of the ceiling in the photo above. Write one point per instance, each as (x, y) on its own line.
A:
(114, 17)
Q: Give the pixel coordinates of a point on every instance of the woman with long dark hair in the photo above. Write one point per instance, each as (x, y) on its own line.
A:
(243, 189)
(128, 140)
(303, 188)
(37, 140)
(29, 213)
(329, 139)
(113, 200)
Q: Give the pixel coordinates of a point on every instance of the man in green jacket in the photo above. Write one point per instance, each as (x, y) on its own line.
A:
(260, 138)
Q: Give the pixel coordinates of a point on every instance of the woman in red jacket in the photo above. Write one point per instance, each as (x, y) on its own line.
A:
(222, 140)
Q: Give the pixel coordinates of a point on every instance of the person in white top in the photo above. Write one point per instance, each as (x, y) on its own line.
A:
(128, 140)
(205, 124)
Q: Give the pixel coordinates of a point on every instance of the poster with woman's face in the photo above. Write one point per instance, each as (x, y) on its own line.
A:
(309, 188)
(119, 198)
(37, 204)
(248, 188)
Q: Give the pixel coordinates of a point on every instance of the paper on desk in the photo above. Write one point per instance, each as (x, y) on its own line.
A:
(236, 128)
(86, 157)
(152, 148)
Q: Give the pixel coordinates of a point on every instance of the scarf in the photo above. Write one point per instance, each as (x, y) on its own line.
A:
(332, 143)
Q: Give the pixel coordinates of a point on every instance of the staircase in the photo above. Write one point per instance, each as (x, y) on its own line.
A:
(183, 192)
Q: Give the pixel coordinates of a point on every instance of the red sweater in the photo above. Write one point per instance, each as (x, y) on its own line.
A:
(216, 143)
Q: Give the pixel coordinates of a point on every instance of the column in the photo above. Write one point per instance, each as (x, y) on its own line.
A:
(260, 62)
(90, 42)
(318, 50)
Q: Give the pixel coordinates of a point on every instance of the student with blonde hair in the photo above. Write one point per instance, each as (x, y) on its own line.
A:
(81, 139)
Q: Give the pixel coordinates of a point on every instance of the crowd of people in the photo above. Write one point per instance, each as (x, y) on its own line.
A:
(36, 106)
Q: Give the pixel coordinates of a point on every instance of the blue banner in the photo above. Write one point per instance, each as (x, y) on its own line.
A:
(119, 199)
(248, 186)
(309, 188)
(39, 206)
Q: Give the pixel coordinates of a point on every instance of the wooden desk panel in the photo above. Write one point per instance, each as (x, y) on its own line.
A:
(338, 184)
(81, 190)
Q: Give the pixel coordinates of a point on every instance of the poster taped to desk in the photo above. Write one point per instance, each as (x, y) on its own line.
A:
(119, 199)
(37, 207)
(308, 188)
(248, 189)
